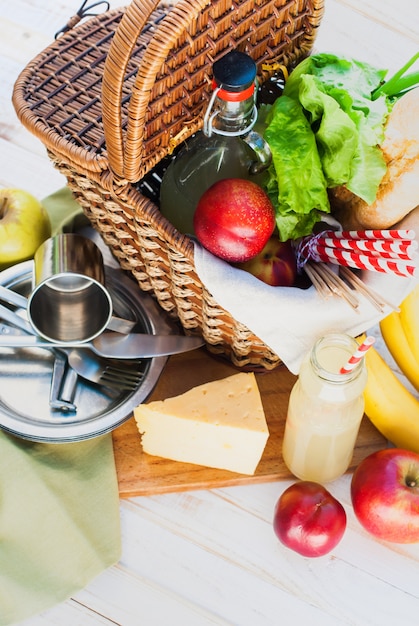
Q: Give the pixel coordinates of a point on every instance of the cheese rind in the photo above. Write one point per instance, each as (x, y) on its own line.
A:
(220, 424)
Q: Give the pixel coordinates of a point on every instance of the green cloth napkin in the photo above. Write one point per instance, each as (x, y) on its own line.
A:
(59, 507)
(62, 209)
(59, 521)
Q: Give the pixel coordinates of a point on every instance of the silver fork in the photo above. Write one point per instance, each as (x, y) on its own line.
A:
(93, 369)
(102, 372)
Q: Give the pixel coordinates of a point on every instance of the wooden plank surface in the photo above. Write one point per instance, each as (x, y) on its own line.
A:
(143, 474)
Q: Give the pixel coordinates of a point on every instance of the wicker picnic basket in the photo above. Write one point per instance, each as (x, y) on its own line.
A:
(111, 98)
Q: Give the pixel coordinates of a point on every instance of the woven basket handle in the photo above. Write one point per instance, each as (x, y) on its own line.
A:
(125, 158)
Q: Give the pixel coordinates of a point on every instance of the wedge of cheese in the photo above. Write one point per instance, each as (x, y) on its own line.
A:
(220, 424)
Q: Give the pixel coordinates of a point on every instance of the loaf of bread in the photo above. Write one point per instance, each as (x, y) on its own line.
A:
(398, 193)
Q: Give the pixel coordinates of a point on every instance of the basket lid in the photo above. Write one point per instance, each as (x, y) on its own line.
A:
(119, 91)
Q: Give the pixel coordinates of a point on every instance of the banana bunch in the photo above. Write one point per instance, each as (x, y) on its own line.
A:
(400, 331)
(390, 406)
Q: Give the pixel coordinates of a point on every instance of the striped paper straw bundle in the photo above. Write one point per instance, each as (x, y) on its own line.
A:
(389, 251)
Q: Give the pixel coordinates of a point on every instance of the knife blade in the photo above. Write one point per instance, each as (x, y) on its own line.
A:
(113, 345)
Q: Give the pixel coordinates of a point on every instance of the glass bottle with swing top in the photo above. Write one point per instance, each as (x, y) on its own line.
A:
(227, 147)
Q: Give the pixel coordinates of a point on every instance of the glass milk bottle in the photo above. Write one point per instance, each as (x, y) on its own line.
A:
(325, 411)
(227, 147)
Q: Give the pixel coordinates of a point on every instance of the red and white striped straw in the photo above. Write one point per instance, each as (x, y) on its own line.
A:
(350, 258)
(372, 234)
(399, 248)
(386, 251)
(357, 356)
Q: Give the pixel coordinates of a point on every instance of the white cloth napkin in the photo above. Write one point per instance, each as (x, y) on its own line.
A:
(287, 319)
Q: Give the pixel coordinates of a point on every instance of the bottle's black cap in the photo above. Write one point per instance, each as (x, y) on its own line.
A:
(235, 71)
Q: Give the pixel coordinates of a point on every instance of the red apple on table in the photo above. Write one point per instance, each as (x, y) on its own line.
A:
(234, 219)
(276, 265)
(24, 226)
(385, 495)
(308, 519)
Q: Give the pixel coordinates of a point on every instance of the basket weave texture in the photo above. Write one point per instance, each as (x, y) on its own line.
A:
(112, 97)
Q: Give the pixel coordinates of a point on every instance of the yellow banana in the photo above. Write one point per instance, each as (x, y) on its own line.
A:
(409, 317)
(396, 341)
(392, 409)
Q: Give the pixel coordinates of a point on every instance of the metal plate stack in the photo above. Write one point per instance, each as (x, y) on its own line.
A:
(25, 373)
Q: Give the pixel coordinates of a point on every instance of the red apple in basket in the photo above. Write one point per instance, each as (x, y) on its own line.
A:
(24, 226)
(308, 519)
(276, 265)
(234, 219)
(385, 495)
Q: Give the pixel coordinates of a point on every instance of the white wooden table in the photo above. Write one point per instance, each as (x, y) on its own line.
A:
(210, 557)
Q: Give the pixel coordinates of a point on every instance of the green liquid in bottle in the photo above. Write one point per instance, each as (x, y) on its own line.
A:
(225, 148)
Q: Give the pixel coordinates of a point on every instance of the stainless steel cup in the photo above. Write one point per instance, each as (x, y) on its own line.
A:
(69, 300)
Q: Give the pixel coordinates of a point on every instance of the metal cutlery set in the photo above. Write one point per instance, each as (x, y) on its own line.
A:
(98, 361)
(68, 362)
(70, 312)
(104, 391)
(80, 345)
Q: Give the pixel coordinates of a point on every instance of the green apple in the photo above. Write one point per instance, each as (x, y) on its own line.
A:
(24, 226)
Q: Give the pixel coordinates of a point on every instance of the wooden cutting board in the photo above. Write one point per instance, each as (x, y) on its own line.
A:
(142, 474)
